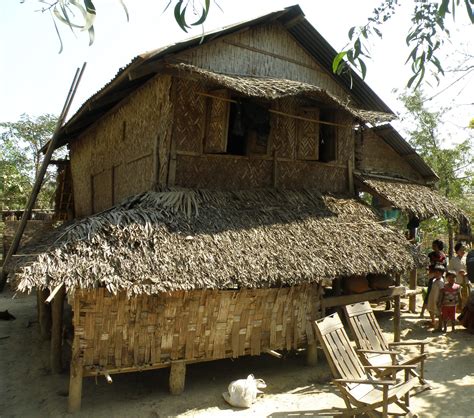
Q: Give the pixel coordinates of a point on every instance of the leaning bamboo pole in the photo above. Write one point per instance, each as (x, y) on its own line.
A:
(41, 173)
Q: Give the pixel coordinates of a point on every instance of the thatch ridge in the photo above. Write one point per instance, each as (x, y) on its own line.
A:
(421, 201)
(196, 239)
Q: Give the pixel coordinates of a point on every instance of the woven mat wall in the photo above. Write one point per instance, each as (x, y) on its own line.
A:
(115, 331)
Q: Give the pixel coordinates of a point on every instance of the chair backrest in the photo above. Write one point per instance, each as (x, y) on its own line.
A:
(364, 327)
(340, 354)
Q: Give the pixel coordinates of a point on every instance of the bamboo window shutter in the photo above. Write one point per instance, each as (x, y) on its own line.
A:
(308, 136)
(218, 123)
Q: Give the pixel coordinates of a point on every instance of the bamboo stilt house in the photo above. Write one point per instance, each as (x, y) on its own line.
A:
(214, 192)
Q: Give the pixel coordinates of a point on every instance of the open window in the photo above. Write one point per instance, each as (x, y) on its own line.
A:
(236, 126)
(327, 137)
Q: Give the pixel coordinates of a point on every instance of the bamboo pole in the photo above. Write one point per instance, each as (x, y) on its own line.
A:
(41, 173)
(57, 308)
(44, 314)
(396, 312)
(75, 378)
(412, 297)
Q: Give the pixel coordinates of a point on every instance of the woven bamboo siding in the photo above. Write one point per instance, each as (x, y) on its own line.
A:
(121, 143)
(345, 137)
(190, 116)
(102, 191)
(114, 331)
(267, 50)
(377, 156)
(126, 184)
(81, 174)
(283, 133)
(223, 172)
(312, 174)
(308, 136)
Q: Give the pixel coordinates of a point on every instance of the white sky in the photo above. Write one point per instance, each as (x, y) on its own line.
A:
(35, 79)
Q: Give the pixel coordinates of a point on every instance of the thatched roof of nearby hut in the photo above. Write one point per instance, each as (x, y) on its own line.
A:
(419, 200)
(190, 239)
(276, 88)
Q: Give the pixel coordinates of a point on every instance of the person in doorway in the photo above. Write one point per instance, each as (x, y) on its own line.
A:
(447, 301)
(433, 297)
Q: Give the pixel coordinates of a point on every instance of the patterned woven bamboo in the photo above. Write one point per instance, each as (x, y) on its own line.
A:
(115, 332)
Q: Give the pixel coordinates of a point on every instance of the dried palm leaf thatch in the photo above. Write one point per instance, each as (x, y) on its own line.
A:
(416, 199)
(277, 88)
(200, 239)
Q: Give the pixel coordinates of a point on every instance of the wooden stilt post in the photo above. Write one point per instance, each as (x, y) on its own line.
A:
(412, 298)
(75, 378)
(177, 377)
(44, 314)
(312, 354)
(396, 313)
(57, 306)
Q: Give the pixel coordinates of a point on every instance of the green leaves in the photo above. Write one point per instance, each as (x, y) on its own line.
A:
(180, 13)
(425, 37)
(337, 62)
(20, 157)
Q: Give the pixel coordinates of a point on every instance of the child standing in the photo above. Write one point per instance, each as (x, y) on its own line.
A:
(435, 257)
(433, 297)
(448, 299)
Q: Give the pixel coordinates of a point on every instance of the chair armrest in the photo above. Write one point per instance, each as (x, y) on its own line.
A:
(391, 366)
(378, 351)
(412, 342)
(366, 381)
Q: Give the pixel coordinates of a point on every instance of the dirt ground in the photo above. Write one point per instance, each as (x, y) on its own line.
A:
(28, 389)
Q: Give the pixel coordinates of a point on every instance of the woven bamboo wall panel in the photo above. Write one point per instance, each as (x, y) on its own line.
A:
(311, 174)
(344, 137)
(308, 136)
(190, 116)
(115, 331)
(283, 132)
(377, 155)
(102, 190)
(120, 137)
(223, 172)
(216, 135)
(126, 184)
(266, 51)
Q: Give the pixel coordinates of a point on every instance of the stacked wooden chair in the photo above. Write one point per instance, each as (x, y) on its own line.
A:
(375, 350)
(362, 392)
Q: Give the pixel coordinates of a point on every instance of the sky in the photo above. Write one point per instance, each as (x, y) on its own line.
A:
(35, 78)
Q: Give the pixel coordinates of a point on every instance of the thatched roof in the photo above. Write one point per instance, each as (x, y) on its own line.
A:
(147, 65)
(276, 88)
(421, 201)
(189, 239)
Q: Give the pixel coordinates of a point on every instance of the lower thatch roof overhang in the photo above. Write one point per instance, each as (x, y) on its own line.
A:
(416, 199)
(198, 239)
